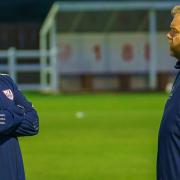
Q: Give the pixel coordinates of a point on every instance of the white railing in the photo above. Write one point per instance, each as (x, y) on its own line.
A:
(12, 67)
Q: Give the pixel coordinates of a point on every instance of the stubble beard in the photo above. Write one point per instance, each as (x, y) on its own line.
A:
(175, 53)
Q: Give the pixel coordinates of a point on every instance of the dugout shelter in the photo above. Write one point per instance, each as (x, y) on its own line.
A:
(106, 46)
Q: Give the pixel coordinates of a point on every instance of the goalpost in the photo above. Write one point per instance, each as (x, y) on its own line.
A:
(71, 27)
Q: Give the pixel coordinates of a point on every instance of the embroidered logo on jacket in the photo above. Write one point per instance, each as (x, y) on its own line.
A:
(8, 94)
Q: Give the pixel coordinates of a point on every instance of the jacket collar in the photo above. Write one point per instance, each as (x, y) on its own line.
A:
(177, 66)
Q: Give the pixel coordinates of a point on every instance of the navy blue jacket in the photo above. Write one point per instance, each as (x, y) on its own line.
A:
(17, 118)
(168, 160)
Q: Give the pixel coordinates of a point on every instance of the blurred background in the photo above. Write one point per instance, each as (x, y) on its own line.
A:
(86, 45)
(104, 67)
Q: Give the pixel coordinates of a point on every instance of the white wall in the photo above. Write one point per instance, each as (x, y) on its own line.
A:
(110, 53)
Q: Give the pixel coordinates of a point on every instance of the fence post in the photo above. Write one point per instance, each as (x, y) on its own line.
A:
(153, 49)
(54, 71)
(53, 59)
(12, 63)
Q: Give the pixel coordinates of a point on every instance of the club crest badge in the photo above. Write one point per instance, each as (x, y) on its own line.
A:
(8, 94)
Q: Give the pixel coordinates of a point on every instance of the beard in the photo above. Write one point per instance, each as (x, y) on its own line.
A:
(175, 52)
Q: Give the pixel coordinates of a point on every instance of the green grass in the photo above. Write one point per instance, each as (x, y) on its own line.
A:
(116, 139)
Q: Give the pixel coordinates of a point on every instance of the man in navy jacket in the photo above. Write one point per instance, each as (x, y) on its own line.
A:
(168, 160)
(17, 118)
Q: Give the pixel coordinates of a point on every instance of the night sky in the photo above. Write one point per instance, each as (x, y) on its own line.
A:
(31, 10)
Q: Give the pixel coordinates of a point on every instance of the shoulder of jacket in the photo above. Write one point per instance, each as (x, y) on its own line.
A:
(6, 77)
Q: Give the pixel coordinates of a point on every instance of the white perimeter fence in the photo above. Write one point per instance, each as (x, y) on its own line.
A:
(10, 65)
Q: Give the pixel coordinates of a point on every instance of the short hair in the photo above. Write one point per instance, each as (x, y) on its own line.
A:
(175, 10)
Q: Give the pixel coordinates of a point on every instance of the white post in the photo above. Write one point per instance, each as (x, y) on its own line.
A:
(153, 49)
(53, 59)
(43, 61)
(12, 63)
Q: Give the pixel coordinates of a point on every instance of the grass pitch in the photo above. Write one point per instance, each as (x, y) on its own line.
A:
(115, 138)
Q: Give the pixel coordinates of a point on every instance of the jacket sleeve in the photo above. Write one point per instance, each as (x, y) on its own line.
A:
(8, 122)
(25, 113)
(29, 125)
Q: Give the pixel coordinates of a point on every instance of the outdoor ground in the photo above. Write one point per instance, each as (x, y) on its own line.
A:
(114, 137)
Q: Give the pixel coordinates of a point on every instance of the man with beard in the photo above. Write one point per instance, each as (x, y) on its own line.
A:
(168, 159)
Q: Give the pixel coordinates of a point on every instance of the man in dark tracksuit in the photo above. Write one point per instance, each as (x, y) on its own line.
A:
(168, 160)
(17, 118)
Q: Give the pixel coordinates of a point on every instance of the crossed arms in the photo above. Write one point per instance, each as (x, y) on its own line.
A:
(20, 119)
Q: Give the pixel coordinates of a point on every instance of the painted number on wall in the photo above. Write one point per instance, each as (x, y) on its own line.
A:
(65, 52)
(127, 52)
(97, 52)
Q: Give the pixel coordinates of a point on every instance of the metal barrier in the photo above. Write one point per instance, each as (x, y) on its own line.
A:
(12, 67)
